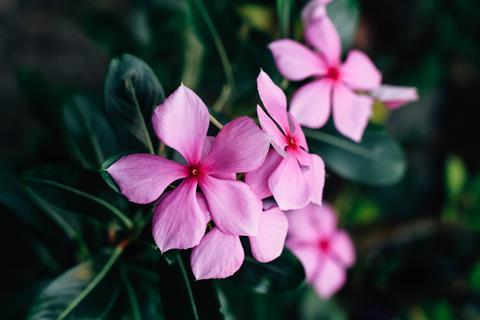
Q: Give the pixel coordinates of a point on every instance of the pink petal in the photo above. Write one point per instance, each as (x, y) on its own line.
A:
(181, 122)
(142, 178)
(274, 100)
(258, 179)
(269, 242)
(313, 10)
(289, 185)
(207, 147)
(323, 35)
(394, 96)
(311, 103)
(310, 224)
(302, 156)
(329, 279)
(219, 255)
(295, 61)
(316, 178)
(342, 248)
(240, 146)
(234, 207)
(308, 256)
(359, 72)
(298, 132)
(350, 112)
(271, 128)
(179, 221)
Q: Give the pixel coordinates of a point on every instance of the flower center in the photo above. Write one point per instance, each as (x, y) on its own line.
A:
(333, 73)
(194, 171)
(291, 142)
(324, 244)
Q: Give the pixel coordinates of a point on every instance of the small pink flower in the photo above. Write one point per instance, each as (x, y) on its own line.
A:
(335, 84)
(292, 175)
(180, 216)
(394, 97)
(220, 255)
(324, 251)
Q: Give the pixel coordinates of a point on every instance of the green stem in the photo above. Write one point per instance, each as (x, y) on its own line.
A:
(119, 214)
(189, 288)
(215, 122)
(132, 297)
(103, 272)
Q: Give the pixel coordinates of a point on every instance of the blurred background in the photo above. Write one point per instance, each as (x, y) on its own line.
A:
(418, 241)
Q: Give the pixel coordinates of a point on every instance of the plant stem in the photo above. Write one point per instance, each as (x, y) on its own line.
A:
(215, 122)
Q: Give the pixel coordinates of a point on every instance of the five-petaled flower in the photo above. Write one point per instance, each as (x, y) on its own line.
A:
(336, 86)
(324, 251)
(292, 175)
(181, 216)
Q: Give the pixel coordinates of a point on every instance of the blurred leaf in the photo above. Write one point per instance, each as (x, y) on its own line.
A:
(376, 160)
(455, 176)
(345, 16)
(56, 186)
(315, 308)
(284, 8)
(258, 16)
(131, 92)
(285, 273)
(89, 136)
(88, 290)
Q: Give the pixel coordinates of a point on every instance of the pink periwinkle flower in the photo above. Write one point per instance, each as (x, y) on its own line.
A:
(292, 175)
(181, 216)
(220, 255)
(324, 251)
(336, 85)
(394, 96)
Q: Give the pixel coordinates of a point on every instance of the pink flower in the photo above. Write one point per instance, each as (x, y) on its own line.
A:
(220, 255)
(180, 216)
(324, 251)
(292, 175)
(393, 96)
(336, 84)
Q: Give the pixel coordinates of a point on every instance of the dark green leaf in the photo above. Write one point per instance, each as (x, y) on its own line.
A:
(285, 273)
(284, 8)
(87, 291)
(61, 189)
(90, 138)
(376, 160)
(345, 15)
(131, 92)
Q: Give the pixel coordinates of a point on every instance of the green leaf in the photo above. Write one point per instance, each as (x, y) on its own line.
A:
(377, 160)
(345, 16)
(285, 273)
(88, 290)
(56, 187)
(131, 92)
(284, 8)
(455, 176)
(89, 136)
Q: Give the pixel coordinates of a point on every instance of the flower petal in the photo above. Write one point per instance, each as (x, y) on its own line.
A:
(302, 156)
(359, 72)
(288, 185)
(311, 104)
(308, 256)
(240, 146)
(142, 178)
(342, 248)
(271, 128)
(258, 179)
(394, 96)
(179, 221)
(313, 10)
(298, 132)
(309, 224)
(323, 35)
(219, 255)
(295, 61)
(350, 112)
(274, 100)
(207, 147)
(269, 242)
(181, 122)
(316, 178)
(234, 207)
(330, 277)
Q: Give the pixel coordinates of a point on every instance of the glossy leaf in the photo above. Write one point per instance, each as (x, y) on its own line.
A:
(131, 92)
(89, 136)
(87, 291)
(377, 160)
(62, 189)
(285, 273)
(345, 15)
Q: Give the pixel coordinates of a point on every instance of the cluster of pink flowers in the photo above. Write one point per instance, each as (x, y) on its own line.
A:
(210, 207)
